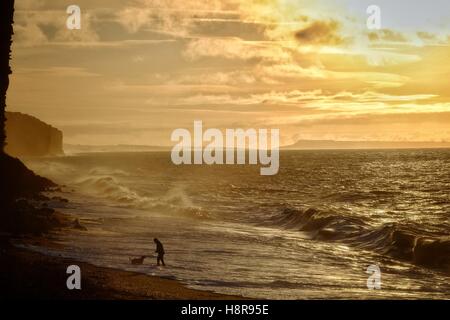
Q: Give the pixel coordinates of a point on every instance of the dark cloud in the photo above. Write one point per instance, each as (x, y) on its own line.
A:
(251, 31)
(49, 29)
(320, 32)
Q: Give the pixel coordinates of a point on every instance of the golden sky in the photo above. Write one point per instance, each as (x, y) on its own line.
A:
(139, 69)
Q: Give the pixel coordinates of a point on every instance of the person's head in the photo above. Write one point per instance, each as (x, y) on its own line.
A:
(155, 240)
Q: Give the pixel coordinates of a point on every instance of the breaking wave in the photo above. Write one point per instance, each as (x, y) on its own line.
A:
(175, 201)
(404, 242)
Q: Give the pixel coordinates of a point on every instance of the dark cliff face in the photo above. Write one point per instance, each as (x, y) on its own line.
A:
(6, 32)
(16, 180)
(29, 136)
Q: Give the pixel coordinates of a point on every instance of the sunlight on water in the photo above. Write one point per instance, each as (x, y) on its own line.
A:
(309, 232)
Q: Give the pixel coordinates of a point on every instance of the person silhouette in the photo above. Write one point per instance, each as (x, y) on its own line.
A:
(160, 251)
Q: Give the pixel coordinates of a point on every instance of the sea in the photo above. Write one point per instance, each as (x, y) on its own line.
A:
(316, 230)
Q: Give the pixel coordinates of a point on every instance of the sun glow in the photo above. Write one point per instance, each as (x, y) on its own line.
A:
(235, 62)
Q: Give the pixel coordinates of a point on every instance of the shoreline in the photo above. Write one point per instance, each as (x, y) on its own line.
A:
(25, 274)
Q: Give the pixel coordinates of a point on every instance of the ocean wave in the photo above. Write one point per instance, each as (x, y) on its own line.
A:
(404, 242)
(175, 201)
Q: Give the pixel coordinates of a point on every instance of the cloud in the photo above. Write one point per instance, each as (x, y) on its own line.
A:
(56, 71)
(174, 17)
(29, 35)
(280, 61)
(343, 101)
(224, 78)
(321, 33)
(234, 48)
(44, 27)
(387, 35)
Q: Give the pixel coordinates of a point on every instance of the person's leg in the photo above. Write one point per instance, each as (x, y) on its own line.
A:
(157, 260)
(162, 260)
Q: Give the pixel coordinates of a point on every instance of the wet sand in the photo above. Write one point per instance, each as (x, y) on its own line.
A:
(26, 274)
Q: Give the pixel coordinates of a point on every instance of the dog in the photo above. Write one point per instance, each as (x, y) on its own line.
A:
(137, 260)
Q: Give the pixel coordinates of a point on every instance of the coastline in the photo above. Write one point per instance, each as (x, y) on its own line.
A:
(25, 274)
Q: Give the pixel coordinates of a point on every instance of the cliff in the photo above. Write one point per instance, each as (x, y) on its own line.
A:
(29, 136)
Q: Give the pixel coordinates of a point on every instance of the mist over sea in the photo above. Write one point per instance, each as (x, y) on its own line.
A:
(310, 231)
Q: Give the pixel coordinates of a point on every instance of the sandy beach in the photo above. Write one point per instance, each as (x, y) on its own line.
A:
(29, 275)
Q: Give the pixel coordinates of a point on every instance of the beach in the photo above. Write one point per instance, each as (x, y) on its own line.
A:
(30, 275)
(316, 235)
(311, 232)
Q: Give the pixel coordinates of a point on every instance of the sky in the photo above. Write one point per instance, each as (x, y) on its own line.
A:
(137, 70)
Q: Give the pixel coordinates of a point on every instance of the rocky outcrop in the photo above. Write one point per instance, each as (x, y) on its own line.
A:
(18, 183)
(29, 136)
